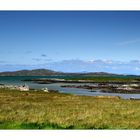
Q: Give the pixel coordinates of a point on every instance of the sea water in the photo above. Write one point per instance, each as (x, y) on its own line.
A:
(18, 80)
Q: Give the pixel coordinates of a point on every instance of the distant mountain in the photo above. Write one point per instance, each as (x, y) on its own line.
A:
(36, 72)
(99, 74)
(46, 72)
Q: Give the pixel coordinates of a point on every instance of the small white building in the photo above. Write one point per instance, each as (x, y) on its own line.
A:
(23, 88)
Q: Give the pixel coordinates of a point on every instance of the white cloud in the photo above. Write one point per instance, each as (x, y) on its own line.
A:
(137, 69)
(135, 61)
(90, 61)
(114, 68)
(129, 42)
(108, 61)
(1, 61)
(76, 65)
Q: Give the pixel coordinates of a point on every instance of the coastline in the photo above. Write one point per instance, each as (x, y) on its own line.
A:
(89, 89)
(105, 87)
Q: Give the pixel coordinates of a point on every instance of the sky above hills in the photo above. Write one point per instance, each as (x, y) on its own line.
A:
(69, 41)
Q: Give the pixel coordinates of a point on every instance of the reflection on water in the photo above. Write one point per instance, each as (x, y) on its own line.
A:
(57, 86)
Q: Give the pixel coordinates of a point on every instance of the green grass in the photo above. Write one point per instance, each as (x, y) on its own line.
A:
(106, 79)
(39, 110)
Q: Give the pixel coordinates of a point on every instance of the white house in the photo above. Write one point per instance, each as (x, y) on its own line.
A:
(23, 88)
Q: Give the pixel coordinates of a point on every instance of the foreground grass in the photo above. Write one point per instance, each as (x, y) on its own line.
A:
(39, 110)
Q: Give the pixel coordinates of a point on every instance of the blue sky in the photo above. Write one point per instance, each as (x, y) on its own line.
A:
(70, 41)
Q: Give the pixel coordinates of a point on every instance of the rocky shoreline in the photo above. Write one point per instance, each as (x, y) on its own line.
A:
(107, 88)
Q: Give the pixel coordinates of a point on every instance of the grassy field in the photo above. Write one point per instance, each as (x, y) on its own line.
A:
(106, 79)
(39, 110)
